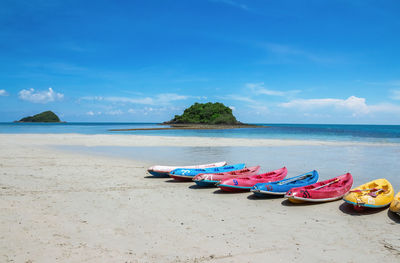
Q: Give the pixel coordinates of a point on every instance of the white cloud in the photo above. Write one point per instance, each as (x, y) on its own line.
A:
(168, 97)
(115, 112)
(385, 108)
(147, 110)
(93, 113)
(258, 106)
(232, 108)
(259, 89)
(239, 98)
(40, 96)
(98, 98)
(131, 111)
(354, 104)
(395, 94)
(3, 92)
(316, 115)
(160, 99)
(357, 106)
(145, 101)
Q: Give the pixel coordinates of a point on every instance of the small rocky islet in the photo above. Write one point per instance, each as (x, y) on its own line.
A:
(46, 116)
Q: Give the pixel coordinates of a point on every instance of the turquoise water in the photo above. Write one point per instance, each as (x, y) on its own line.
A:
(334, 132)
(366, 163)
(70, 127)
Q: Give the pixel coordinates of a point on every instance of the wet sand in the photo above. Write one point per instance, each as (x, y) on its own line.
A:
(66, 206)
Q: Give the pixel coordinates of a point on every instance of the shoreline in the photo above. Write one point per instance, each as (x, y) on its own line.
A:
(194, 127)
(150, 140)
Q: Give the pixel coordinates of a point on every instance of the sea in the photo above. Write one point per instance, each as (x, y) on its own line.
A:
(330, 132)
(379, 158)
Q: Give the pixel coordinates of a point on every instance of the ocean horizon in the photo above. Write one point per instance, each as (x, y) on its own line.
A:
(329, 132)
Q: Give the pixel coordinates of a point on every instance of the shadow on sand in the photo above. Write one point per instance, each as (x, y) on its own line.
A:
(197, 187)
(155, 177)
(219, 192)
(265, 197)
(394, 217)
(178, 182)
(286, 202)
(349, 209)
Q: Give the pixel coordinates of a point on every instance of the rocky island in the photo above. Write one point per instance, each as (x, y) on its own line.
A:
(206, 114)
(202, 116)
(46, 116)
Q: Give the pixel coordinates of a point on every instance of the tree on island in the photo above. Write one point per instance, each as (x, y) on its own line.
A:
(206, 113)
(46, 116)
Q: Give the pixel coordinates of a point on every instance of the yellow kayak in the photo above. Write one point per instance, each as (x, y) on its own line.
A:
(395, 205)
(375, 194)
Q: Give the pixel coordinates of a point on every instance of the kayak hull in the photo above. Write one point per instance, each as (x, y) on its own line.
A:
(163, 170)
(242, 184)
(184, 174)
(313, 200)
(356, 205)
(324, 191)
(208, 180)
(231, 188)
(263, 193)
(181, 178)
(395, 205)
(375, 194)
(281, 187)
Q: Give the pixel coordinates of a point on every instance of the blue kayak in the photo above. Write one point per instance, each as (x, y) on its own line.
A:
(182, 174)
(282, 186)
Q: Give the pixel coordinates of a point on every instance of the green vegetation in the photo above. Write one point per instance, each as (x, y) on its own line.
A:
(206, 113)
(46, 116)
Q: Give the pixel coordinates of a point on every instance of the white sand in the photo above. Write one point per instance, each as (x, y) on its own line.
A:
(64, 207)
(142, 140)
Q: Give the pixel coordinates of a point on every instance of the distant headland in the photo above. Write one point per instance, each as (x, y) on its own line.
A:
(46, 116)
(202, 116)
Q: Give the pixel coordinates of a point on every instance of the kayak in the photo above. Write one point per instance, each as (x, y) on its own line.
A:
(163, 171)
(183, 174)
(212, 179)
(375, 194)
(395, 205)
(324, 191)
(246, 183)
(282, 186)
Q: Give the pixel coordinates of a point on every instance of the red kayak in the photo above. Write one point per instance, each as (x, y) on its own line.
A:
(324, 191)
(212, 179)
(246, 183)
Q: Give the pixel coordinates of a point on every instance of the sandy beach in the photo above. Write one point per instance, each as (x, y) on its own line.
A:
(64, 206)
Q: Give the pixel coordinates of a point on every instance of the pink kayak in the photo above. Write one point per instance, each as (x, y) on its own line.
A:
(324, 191)
(212, 179)
(246, 183)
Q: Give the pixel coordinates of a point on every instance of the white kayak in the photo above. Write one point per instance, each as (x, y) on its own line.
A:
(163, 170)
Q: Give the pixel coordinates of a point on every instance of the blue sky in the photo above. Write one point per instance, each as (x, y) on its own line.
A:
(145, 61)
